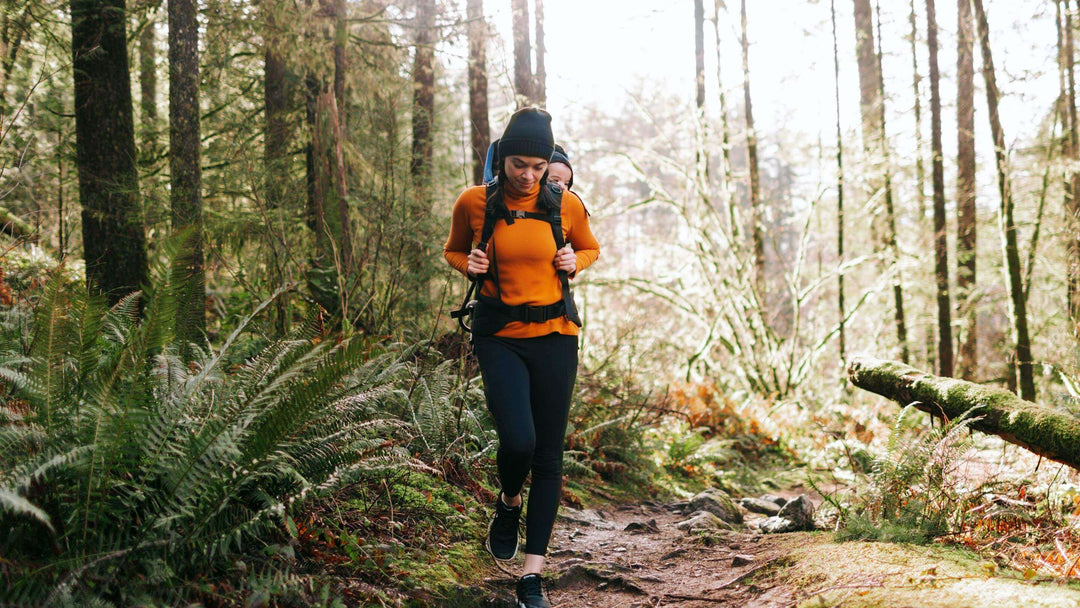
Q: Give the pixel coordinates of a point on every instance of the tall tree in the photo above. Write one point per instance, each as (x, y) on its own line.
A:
(114, 240)
(965, 189)
(873, 129)
(725, 134)
(148, 113)
(920, 165)
(1072, 179)
(890, 209)
(423, 99)
(478, 85)
(941, 251)
(839, 187)
(14, 29)
(523, 73)
(1018, 305)
(275, 108)
(699, 71)
(184, 165)
(540, 78)
(757, 232)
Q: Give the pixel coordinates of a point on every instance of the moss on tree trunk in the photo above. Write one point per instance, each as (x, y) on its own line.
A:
(1047, 432)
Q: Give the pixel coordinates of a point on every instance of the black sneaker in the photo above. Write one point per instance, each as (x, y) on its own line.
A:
(502, 539)
(530, 592)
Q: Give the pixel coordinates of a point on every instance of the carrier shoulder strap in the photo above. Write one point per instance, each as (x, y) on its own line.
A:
(564, 277)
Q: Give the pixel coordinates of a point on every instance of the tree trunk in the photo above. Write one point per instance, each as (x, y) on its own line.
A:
(540, 82)
(423, 100)
(185, 168)
(275, 108)
(941, 251)
(478, 85)
(1072, 183)
(839, 188)
(1018, 307)
(114, 240)
(1046, 431)
(523, 74)
(699, 55)
(757, 234)
(276, 158)
(148, 113)
(873, 130)
(920, 166)
(965, 189)
(13, 30)
(725, 136)
(701, 148)
(890, 212)
(343, 227)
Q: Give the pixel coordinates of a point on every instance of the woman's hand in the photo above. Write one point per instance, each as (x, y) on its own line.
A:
(478, 263)
(566, 259)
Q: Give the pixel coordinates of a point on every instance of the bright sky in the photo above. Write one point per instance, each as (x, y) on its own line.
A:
(598, 49)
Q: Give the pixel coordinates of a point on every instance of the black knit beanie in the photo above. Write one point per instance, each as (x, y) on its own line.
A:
(527, 134)
(560, 156)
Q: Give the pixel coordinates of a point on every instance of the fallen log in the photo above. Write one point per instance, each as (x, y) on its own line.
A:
(1048, 432)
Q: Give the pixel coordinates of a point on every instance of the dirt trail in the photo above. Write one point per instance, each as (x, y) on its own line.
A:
(634, 556)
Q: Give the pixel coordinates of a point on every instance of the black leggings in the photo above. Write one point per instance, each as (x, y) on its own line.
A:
(528, 383)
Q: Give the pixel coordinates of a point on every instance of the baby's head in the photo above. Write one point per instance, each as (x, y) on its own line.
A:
(559, 170)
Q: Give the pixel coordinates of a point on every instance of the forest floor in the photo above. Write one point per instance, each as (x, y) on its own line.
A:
(635, 556)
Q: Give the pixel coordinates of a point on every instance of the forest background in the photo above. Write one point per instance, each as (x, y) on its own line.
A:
(276, 178)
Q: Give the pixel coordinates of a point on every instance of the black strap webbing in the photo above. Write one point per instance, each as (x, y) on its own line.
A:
(491, 216)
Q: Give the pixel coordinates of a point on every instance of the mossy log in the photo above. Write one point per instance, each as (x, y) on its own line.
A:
(14, 226)
(1048, 432)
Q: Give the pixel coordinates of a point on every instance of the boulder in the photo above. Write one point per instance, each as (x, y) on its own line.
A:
(719, 504)
(703, 520)
(800, 511)
(760, 505)
(797, 514)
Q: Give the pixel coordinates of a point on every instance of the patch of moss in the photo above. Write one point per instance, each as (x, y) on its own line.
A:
(884, 574)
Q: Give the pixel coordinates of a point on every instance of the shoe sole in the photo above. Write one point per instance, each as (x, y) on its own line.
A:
(487, 545)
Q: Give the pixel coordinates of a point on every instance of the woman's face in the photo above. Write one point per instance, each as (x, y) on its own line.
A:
(559, 173)
(523, 172)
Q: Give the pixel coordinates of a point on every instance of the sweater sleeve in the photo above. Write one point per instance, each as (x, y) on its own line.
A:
(460, 242)
(580, 236)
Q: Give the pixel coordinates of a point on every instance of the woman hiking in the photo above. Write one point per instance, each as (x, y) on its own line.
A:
(525, 328)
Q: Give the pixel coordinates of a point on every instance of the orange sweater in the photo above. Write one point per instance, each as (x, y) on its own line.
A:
(523, 253)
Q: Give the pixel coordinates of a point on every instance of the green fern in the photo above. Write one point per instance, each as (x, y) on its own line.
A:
(913, 483)
(126, 459)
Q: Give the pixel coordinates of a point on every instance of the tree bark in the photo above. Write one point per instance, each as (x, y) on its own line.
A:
(1072, 183)
(478, 85)
(890, 210)
(275, 109)
(1048, 432)
(839, 188)
(423, 100)
(114, 240)
(1018, 306)
(965, 190)
(920, 164)
(701, 147)
(540, 78)
(757, 233)
(13, 30)
(941, 251)
(873, 129)
(699, 55)
(523, 74)
(185, 168)
(725, 135)
(148, 88)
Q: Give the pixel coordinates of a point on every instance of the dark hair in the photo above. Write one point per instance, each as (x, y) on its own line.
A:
(548, 199)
